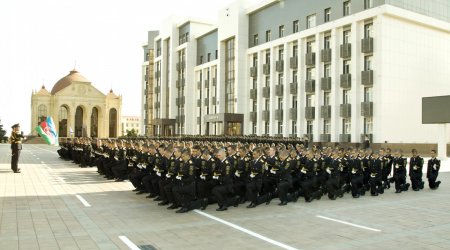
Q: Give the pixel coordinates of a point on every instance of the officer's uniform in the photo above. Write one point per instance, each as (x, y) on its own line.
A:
(16, 147)
(432, 173)
(415, 172)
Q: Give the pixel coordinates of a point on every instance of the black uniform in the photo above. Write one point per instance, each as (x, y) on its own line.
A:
(415, 172)
(400, 174)
(375, 180)
(16, 147)
(432, 172)
(222, 192)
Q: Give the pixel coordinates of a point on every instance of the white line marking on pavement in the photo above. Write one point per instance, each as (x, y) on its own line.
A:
(85, 203)
(42, 162)
(348, 223)
(129, 243)
(246, 231)
(61, 179)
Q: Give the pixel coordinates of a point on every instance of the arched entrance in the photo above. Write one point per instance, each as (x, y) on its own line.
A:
(79, 122)
(112, 123)
(94, 122)
(63, 116)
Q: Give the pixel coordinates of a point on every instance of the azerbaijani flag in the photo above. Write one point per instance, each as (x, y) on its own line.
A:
(47, 131)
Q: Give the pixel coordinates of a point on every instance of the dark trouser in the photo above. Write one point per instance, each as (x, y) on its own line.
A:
(269, 184)
(375, 185)
(385, 173)
(239, 187)
(416, 180)
(432, 180)
(222, 193)
(120, 169)
(151, 184)
(322, 178)
(357, 185)
(184, 194)
(136, 178)
(283, 188)
(253, 188)
(15, 159)
(400, 181)
(309, 187)
(334, 186)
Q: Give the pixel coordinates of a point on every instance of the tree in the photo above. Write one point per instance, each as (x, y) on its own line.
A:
(2, 133)
(132, 133)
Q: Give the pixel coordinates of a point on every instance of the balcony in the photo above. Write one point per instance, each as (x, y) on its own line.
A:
(157, 74)
(157, 89)
(214, 100)
(310, 86)
(345, 138)
(346, 50)
(310, 59)
(180, 119)
(214, 82)
(157, 105)
(266, 92)
(325, 84)
(199, 85)
(293, 62)
(199, 120)
(279, 66)
(325, 112)
(279, 115)
(266, 69)
(293, 88)
(253, 71)
(363, 137)
(181, 83)
(279, 90)
(180, 101)
(346, 81)
(367, 78)
(265, 115)
(206, 83)
(325, 138)
(346, 110)
(326, 55)
(293, 113)
(199, 102)
(253, 94)
(310, 113)
(367, 45)
(367, 109)
(206, 101)
(253, 116)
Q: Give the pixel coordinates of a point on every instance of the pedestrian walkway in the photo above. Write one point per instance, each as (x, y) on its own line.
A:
(54, 204)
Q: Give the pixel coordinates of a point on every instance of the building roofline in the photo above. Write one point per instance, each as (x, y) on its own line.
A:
(261, 5)
(208, 32)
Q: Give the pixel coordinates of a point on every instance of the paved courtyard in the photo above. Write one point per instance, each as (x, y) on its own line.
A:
(54, 204)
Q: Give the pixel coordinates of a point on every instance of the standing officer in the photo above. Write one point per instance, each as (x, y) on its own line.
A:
(433, 170)
(16, 146)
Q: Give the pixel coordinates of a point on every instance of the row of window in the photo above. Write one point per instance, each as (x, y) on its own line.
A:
(310, 21)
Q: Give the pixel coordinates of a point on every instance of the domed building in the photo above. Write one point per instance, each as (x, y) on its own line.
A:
(77, 108)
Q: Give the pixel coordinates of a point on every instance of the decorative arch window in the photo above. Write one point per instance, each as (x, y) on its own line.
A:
(42, 113)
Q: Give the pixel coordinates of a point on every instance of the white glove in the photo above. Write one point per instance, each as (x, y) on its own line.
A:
(328, 171)
(372, 175)
(415, 167)
(158, 173)
(178, 177)
(273, 171)
(237, 174)
(303, 171)
(396, 167)
(353, 171)
(434, 166)
(168, 175)
(215, 177)
(266, 167)
(202, 177)
(252, 175)
(155, 169)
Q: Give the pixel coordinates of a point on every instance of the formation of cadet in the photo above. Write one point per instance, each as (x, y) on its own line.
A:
(185, 174)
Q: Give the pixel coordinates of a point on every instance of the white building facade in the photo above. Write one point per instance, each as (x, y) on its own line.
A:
(331, 70)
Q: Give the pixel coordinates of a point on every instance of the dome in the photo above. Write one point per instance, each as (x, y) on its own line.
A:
(73, 76)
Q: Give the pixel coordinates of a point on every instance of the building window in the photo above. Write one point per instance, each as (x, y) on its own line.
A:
(309, 46)
(267, 82)
(268, 36)
(368, 29)
(266, 128)
(280, 103)
(281, 31)
(217, 54)
(280, 78)
(346, 8)
(367, 94)
(309, 127)
(367, 4)
(295, 51)
(347, 36)
(255, 39)
(327, 70)
(368, 126)
(310, 73)
(294, 101)
(254, 128)
(311, 21)
(309, 100)
(295, 26)
(294, 76)
(280, 127)
(201, 59)
(326, 99)
(280, 53)
(347, 65)
(327, 15)
(294, 127)
(346, 96)
(209, 57)
(326, 126)
(346, 126)
(255, 83)
(268, 56)
(267, 105)
(230, 97)
(368, 63)
(255, 60)
(326, 42)
(255, 105)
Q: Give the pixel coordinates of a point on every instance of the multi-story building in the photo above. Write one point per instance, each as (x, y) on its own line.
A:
(148, 78)
(129, 123)
(331, 70)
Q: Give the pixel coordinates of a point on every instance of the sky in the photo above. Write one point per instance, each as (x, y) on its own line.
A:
(41, 41)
